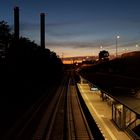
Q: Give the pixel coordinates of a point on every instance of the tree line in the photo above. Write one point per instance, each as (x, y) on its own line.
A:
(25, 64)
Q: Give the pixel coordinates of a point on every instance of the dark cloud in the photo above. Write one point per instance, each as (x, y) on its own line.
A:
(64, 23)
(27, 26)
(34, 26)
(66, 34)
(78, 45)
(69, 44)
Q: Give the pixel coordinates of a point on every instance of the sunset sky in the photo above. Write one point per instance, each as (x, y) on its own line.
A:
(79, 27)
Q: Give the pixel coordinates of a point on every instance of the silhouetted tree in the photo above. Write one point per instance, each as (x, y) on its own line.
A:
(103, 55)
(27, 70)
(26, 62)
(5, 34)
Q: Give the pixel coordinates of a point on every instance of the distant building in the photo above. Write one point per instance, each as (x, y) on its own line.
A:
(135, 54)
(79, 59)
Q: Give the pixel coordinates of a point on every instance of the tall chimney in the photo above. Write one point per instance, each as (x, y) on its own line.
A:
(16, 22)
(42, 30)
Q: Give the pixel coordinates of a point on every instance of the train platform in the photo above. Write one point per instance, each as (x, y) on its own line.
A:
(102, 113)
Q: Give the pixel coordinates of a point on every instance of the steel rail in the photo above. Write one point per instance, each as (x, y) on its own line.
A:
(46, 126)
(24, 128)
(77, 125)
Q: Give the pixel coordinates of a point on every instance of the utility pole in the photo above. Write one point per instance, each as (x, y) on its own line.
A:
(117, 37)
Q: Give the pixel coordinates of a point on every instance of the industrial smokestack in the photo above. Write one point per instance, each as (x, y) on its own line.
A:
(16, 22)
(42, 30)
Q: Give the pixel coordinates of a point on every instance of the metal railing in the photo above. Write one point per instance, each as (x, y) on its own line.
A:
(132, 134)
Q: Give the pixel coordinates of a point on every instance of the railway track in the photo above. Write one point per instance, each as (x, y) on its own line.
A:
(77, 124)
(66, 120)
(52, 123)
(25, 126)
(61, 118)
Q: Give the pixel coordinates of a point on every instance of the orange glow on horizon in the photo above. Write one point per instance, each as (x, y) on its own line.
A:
(71, 61)
(67, 62)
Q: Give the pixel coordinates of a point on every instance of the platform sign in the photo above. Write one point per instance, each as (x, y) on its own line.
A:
(94, 89)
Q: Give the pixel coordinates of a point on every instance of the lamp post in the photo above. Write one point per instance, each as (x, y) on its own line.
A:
(137, 47)
(101, 47)
(117, 37)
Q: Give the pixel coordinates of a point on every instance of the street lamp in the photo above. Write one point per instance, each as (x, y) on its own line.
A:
(101, 47)
(117, 37)
(137, 47)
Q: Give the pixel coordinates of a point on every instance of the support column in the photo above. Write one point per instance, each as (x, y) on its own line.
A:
(42, 30)
(16, 23)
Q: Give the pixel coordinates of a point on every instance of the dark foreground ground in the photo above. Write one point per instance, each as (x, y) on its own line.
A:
(17, 95)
